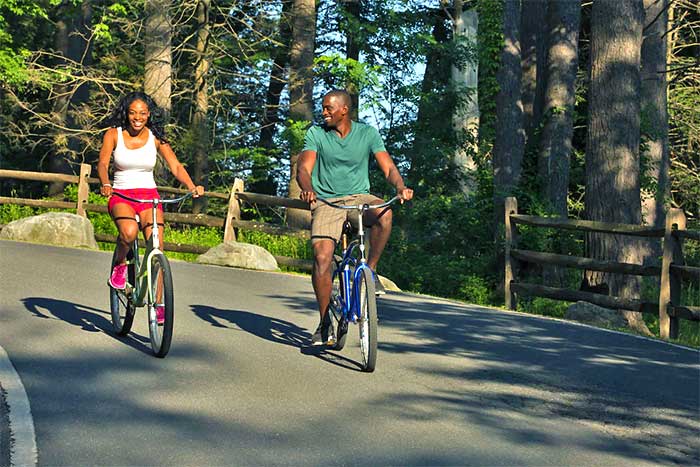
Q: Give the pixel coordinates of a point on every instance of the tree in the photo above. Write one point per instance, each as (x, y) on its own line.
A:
(533, 40)
(561, 66)
(301, 86)
(655, 157)
(200, 124)
(612, 153)
(465, 80)
(352, 10)
(509, 143)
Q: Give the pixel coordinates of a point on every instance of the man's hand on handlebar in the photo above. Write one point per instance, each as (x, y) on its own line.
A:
(308, 196)
(197, 191)
(404, 194)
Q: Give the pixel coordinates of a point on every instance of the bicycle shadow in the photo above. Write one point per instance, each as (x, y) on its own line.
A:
(87, 318)
(264, 327)
(271, 329)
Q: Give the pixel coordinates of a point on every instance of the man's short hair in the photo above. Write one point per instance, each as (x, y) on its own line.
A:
(342, 94)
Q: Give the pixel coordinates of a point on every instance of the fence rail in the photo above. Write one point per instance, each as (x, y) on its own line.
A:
(671, 273)
(229, 224)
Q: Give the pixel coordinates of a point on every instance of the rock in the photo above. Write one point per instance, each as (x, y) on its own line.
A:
(595, 315)
(239, 255)
(388, 284)
(52, 228)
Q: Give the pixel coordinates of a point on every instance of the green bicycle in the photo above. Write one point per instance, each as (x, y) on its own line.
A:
(149, 284)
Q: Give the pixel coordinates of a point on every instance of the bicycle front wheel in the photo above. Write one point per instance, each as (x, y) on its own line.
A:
(367, 306)
(121, 302)
(160, 308)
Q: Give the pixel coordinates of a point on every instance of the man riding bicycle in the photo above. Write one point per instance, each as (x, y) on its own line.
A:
(334, 166)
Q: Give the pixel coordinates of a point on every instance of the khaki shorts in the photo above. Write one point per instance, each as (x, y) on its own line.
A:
(327, 221)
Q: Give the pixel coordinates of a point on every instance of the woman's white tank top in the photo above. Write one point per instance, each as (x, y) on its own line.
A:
(133, 168)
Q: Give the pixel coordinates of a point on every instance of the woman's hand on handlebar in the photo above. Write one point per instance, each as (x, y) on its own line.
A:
(404, 194)
(106, 190)
(308, 196)
(197, 191)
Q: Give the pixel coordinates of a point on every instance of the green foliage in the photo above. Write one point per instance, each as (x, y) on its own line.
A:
(337, 71)
(491, 43)
(294, 134)
(543, 306)
(278, 245)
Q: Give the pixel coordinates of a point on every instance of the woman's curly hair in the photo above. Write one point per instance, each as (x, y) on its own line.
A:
(120, 115)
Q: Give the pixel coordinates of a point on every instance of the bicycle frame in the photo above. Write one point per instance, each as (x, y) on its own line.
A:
(351, 310)
(143, 295)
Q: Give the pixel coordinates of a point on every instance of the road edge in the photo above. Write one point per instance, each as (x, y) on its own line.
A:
(23, 449)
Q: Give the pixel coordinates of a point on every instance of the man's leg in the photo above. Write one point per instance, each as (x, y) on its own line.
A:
(322, 279)
(322, 275)
(380, 220)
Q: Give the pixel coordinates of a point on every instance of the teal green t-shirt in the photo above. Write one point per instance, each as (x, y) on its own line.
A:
(342, 164)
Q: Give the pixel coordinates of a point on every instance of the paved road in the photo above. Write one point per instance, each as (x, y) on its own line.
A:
(455, 384)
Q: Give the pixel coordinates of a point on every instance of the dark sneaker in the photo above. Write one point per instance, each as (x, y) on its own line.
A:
(324, 334)
(378, 287)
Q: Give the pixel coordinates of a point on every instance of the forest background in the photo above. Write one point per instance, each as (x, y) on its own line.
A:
(586, 109)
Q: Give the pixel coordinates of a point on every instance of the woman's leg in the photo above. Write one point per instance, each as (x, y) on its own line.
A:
(125, 218)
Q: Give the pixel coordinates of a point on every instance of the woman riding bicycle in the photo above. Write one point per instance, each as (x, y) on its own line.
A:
(135, 138)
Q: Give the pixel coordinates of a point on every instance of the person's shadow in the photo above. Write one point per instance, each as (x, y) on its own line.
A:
(87, 318)
(270, 329)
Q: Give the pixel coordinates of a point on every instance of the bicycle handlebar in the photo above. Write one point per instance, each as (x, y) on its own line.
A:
(154, 201)
(361, 207)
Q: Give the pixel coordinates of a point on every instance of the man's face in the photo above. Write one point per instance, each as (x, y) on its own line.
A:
(334, 110)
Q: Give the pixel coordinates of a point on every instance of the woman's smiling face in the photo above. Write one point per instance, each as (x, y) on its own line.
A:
(138, 115)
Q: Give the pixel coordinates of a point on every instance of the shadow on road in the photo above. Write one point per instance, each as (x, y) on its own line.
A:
(87, 318)
(523, 365)
(271, 329)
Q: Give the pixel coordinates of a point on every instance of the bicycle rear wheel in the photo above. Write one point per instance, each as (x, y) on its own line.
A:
(368, 320)
(161, 292)
(121, 303)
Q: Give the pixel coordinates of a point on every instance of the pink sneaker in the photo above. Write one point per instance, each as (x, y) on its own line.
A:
(160, 314)
(118, 278)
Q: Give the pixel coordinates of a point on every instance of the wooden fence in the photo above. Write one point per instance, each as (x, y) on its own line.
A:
(671, 273)
(229, 224)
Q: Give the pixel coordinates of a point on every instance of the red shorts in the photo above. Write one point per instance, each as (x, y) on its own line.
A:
(137, 193)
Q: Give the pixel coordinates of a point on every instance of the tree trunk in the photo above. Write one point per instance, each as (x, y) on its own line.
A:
(466, 115)
(277, 79)
(70, 42)
(612, 153)
(533, 40)
(352, 51)
(201, 105)
(562, 64)
(262, 180)
(157, 79)
(654, 108)
(509, 144)
(301, 86)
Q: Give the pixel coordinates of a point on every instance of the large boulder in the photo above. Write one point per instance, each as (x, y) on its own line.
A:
(589, 313)
(53, 228)
(388, 284)
(239, 255)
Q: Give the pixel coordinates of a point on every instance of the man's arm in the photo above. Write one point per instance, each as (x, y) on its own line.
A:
(392, 175)
(305, 165)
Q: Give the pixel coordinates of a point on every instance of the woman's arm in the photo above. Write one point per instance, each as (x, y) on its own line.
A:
(177, 169)
(109, 142)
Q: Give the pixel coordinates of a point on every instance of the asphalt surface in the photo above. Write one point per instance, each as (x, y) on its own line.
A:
(455, 384)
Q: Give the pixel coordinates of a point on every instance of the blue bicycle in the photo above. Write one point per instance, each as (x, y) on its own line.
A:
(353, 298)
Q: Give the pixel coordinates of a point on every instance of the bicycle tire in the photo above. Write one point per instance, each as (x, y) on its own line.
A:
(367, 302)
(121, 303)
(161, 334)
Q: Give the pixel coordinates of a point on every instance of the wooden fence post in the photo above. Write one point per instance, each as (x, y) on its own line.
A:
(511, 207)
(670, 289)
(83, 189)
(234, 211)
